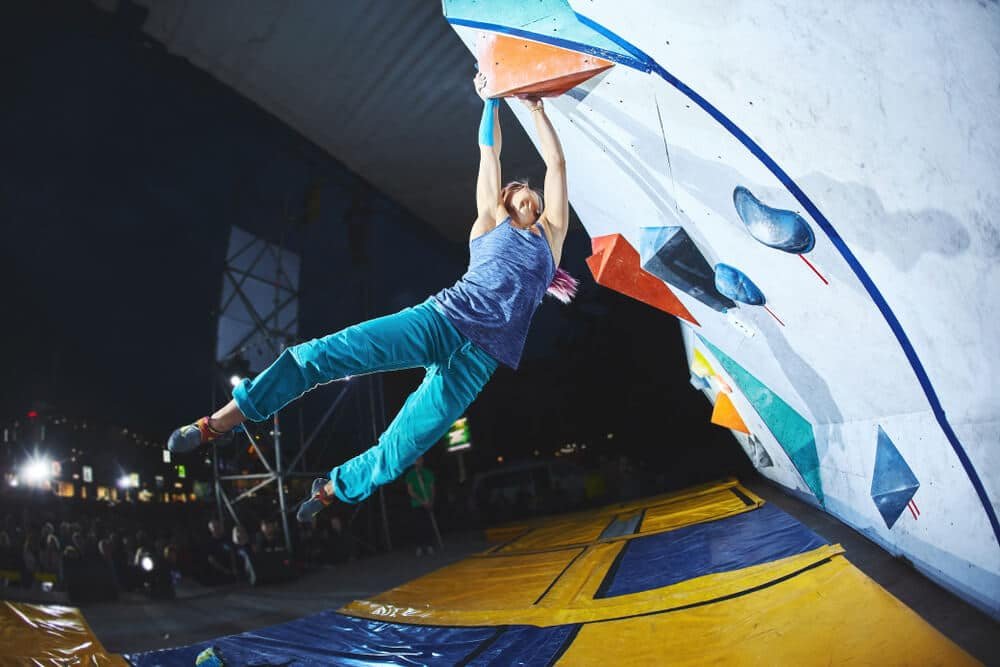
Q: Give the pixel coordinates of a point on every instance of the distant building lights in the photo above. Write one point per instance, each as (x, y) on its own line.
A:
(37, 470)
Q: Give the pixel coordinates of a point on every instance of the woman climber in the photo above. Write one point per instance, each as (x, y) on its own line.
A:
(459, 334)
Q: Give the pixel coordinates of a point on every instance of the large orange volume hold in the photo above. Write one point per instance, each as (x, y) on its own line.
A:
(615, 264)
(724, 414)
(515, 66)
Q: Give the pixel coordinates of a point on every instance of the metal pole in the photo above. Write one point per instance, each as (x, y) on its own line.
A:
(229, 507)
(375, 434)
(253, 444)
(279, 472)
(322, 422)
(302, 439)
(218, 485)
(215, 459)
(434, 524)
(281, 483)
(252, 490)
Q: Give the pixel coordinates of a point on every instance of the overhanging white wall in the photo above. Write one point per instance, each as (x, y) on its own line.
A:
(878, 124)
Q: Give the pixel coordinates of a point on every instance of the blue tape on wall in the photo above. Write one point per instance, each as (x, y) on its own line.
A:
(751, 538)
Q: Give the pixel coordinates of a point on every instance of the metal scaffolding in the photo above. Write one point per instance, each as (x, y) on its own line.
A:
(257, 320)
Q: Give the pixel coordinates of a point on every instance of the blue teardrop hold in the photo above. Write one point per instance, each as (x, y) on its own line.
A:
(733, 283)
(774, 227)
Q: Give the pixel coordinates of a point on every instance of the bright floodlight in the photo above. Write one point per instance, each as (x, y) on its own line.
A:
(235, 380)
(36, 471)
(147, 563)
(124, 482)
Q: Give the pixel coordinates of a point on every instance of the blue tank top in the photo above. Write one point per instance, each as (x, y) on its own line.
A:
(493, 303)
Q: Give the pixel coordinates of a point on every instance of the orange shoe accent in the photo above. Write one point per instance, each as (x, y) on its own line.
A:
(724, 414)
(208, 433)
(515, 66)
(615, 264)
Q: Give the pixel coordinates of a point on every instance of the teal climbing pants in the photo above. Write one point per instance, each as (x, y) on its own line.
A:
(456, 369)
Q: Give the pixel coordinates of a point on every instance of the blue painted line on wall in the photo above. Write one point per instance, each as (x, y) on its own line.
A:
(645, 63)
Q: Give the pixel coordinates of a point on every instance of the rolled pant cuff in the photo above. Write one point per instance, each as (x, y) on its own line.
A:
(338, 491)
(243, 402)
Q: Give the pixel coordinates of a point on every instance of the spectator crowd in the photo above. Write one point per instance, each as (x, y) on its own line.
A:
(97, 552)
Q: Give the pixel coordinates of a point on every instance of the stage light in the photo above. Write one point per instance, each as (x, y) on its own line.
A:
(37, 471)
(235, 380)
(124, 482)
(147, 563)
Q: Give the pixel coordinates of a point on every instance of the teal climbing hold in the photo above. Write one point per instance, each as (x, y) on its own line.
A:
(792, 431)
(551, 21)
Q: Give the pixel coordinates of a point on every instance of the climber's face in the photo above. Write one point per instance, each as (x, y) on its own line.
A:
(523, 204)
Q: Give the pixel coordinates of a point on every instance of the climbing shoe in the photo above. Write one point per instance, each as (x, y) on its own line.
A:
(318, 499)
(189, 438)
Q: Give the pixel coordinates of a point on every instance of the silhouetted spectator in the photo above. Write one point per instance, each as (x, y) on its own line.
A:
(271, 557)
(71, 575)
(10, 560)
(50, 559)
(268, 540)
(420, 487)
(244, 560)
(105, 548)
(29, 556)
(6, 552)
(218, 565)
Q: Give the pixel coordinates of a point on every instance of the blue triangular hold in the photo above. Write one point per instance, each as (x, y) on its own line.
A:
(893, 483)
(670, 255)
(699, 383)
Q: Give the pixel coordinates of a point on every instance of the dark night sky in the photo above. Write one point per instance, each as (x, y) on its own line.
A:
(123, 169)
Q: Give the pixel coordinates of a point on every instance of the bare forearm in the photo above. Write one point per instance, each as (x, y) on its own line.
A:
(551, 149)
(488, 180)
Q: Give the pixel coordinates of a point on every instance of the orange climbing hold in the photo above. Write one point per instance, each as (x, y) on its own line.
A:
(615, 264)
(725, 414)
(515, 66)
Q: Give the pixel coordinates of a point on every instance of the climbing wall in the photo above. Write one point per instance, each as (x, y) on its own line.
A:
(813, 196)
